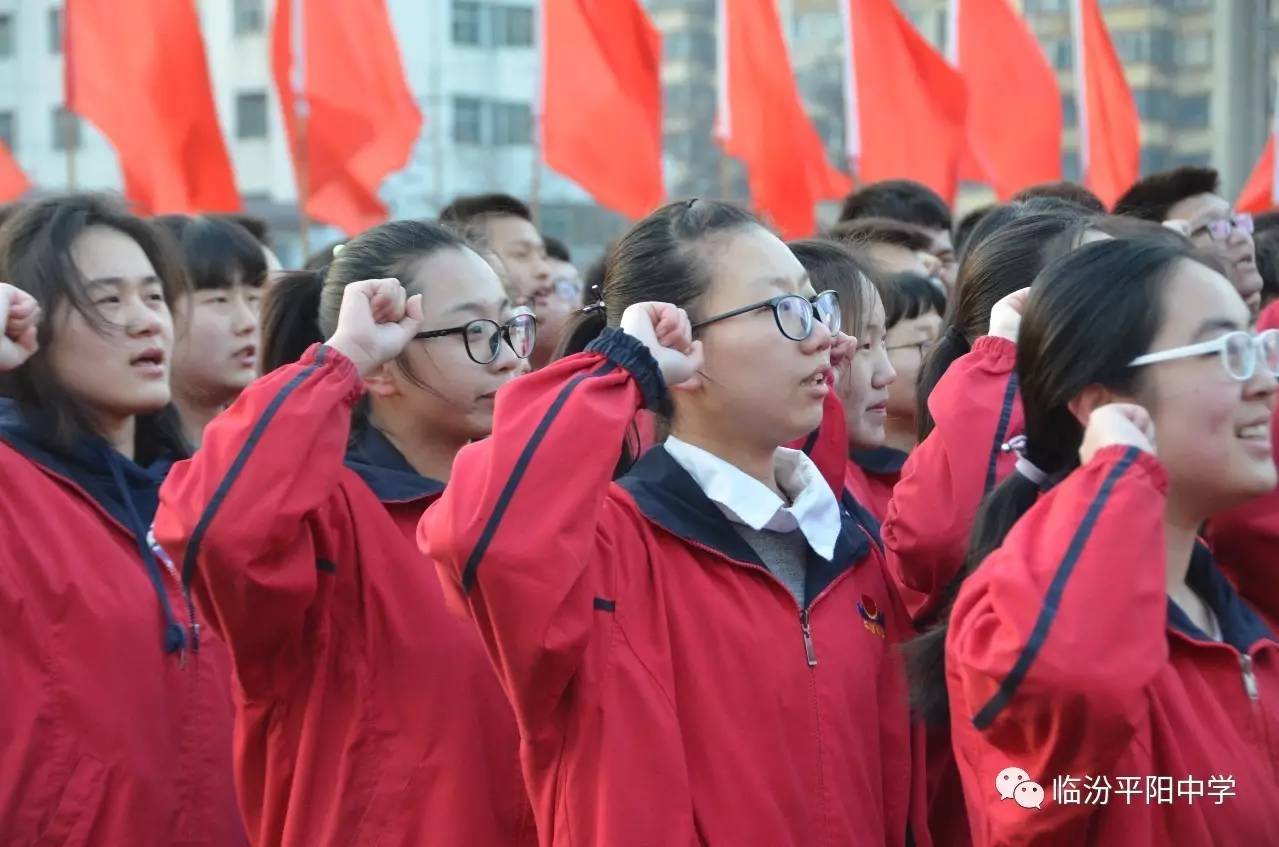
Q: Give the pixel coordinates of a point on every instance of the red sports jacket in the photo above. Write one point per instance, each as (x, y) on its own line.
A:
(106, 737)
(366, 713)
(669, 689)
(1065, 658)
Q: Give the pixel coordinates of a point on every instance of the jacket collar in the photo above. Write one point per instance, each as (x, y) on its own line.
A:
(747, 501)
(91, 463)
(385, 470)
(1241, 627)
(882, 461)
(668, 496)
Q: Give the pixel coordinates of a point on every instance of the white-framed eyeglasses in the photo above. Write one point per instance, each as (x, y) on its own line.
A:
(1239, 351)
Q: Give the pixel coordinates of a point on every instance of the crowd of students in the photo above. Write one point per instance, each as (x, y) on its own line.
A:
(860, 539)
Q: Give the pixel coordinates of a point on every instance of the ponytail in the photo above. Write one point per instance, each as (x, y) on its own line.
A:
(926, 654)
(289, 318)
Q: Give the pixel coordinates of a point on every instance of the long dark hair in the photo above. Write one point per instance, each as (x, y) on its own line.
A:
(1090, 313)
(1004, 256)
(290, 321)
(659, 260)
(832, 266)
(35, 255)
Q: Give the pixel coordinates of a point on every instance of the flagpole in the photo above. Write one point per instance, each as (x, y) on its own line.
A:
(70, 128)
(301, 114)
(535, 117)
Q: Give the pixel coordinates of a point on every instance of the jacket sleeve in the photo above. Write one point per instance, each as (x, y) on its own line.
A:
(1244, 541)
(930, 517)
(1055, 638)
(526, 537)
(252, 517)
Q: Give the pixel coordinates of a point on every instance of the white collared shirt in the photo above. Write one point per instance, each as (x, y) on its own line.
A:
(744, 500)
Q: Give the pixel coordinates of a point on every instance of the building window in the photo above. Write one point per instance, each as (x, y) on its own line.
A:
(1061, 52)
(250, 115)
(249, 17)
(512, 26)
(468, 120)
(55, 31)
(8, 132)
(66, 129)
(1193, 111)
(1194, 50)
(512, 123)
(6, 36)
(1132, 47)
(466, 23)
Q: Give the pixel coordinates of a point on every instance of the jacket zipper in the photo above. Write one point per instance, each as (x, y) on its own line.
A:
(807, 631)
(805, 628)
(1250, 680)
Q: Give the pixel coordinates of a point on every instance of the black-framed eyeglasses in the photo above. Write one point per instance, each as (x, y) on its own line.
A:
(793, 313)
(484, 337)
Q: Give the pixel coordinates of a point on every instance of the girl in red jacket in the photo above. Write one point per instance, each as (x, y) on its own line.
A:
(701, 652)
(1098, 643)
(367, 712)
(216, 355)
(116, 708)
(863, 386)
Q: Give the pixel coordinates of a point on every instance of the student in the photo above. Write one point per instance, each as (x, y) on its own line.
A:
(369, 711)
(504, 225)
(216, 352)
(912, 203)
(864, 385)
(703, 651)
(914, 325)
(891, 246)
(116, 705)
(1193, 195)
(1097, 635)
(564, 274)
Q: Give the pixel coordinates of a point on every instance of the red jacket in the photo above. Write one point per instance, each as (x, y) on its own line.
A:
(1066, 658)
(871, 475)
(1269, 317)
(106, 737)
(668, 688)
(977, 408)
(366, 712)
(1248, 538)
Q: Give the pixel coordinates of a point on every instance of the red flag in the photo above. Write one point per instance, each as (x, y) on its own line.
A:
(602, 101)
(1261, 194)
(362, 121)
(136, 69)
(1109, 127)
(762, 123)
(1007, 76)
(904, 104)
(13, 182)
